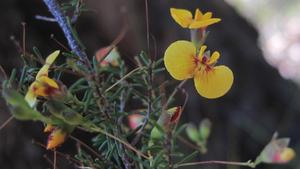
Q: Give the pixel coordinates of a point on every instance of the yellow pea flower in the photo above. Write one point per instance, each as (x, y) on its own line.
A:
(43, 85)
(56, 138)
(183, 61)
(186, 20)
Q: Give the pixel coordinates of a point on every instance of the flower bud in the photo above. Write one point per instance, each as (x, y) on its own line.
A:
(135, 120)
(111, 55)
(56, 138)
(276, 152)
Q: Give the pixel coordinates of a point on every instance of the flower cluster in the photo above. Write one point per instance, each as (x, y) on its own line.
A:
(184, 59)
(43, 86)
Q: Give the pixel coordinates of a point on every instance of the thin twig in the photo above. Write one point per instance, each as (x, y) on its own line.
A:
(183, 106)
(147, 26)
(2, 72)
(6, 122)
(48, 160)
(169, 149)
(24, 38)
(59, 43)
(86, 146)
(123, 78)
(247, 164)
(21, 50)
(54, 159)
(186, 142)
(67, 157)
(45, 18)
(174, 92)
(17, 44)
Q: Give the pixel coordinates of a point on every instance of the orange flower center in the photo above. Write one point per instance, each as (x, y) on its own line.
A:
(44, 90)
(203, 63)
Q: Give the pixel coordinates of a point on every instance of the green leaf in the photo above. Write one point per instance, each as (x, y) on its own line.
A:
(63, 112)
(19, 108)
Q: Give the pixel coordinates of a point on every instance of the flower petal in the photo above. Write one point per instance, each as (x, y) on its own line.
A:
(214, 58)
(203, 23)
(30, 96)
(50, 59)
(44, 86)
(48, 81)
(198, 15)
(179, 59)
(182, 17)
(213, 83)
(207, 15)
(175, 113)
(56, 138)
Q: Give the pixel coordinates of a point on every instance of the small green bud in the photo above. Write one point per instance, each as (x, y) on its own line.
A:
(192, 133)
(204, 129)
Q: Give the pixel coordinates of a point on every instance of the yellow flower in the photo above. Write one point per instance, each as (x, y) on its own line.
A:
(56, 138)
(183, 61)
(43, 85)
(185, 18)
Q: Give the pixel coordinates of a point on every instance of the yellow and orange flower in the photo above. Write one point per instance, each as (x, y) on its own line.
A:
(183, 61)
(186, 20)
(43, 85)
(56, 138)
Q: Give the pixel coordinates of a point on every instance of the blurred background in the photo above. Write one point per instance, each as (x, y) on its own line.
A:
(258, 39)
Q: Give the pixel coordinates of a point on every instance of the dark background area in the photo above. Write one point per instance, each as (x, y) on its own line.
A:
(259, 103)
